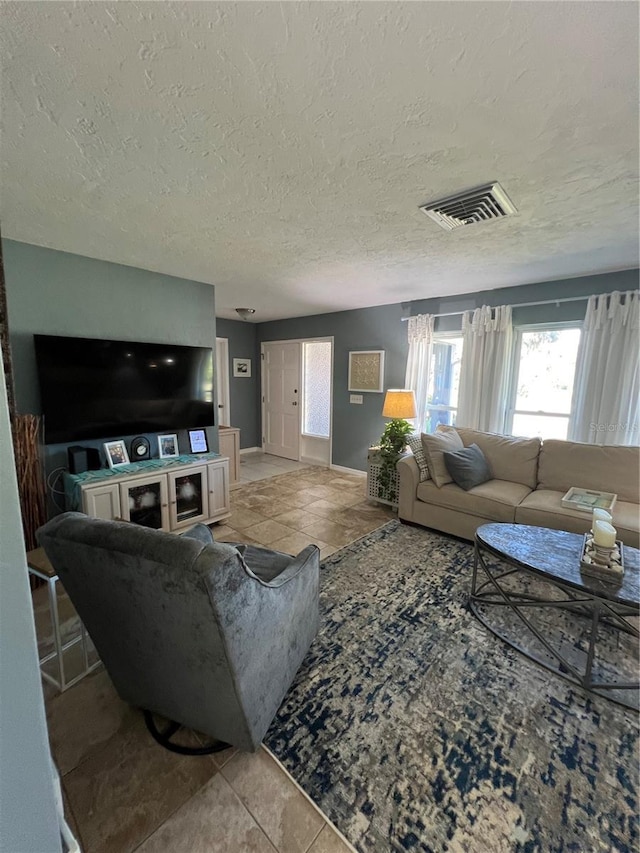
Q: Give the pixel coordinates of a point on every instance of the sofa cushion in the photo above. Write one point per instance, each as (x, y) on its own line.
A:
(435, 444)
(589, 466)
(495, 499)
(543, 508)
(415, 445)
(510, 458)
(468, 467)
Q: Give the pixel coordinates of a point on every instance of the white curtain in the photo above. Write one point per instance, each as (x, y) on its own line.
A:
(420, 335)
(605, 407)
(484, 371)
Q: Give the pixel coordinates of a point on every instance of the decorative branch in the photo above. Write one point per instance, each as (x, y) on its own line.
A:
(26, 446)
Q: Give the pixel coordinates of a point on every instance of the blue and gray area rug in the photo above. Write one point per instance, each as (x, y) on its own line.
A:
(414, 728)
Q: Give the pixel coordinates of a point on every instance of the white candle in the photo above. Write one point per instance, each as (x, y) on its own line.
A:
(604, 534)
(601, 515)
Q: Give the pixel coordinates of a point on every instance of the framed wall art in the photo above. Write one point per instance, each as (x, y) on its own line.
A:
(242, 367)
(366, 370)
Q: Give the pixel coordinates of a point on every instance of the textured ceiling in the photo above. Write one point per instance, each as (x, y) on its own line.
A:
(280, 150)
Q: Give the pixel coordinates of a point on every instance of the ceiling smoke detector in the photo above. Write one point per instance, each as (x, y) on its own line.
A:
(245, 313)
(489, 201)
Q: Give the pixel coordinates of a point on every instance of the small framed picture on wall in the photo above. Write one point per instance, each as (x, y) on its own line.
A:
(242, 367)
(198, 441)
(167, 446)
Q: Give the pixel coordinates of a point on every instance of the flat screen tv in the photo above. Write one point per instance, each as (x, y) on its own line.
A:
(94, 389)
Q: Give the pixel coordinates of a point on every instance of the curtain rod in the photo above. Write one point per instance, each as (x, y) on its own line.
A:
(519, 305)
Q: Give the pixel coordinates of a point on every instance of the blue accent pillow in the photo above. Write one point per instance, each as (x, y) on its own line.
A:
(468, 467)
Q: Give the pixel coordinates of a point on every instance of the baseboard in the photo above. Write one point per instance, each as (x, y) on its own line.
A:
(348, 470)
(308, 460)
(244, 450)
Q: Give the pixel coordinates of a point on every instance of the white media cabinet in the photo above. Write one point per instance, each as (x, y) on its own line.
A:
(166, 494)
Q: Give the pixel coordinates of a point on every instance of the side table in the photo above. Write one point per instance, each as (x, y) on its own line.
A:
(39, 566)
(373, 482)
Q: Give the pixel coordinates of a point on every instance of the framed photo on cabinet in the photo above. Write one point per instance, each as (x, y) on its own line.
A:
(198, 441)
(167, 446)
(116, 453)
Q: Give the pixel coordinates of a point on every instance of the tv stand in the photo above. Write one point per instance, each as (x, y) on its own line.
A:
(165, 494)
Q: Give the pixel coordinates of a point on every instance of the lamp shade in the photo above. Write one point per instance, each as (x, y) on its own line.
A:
(399, 404)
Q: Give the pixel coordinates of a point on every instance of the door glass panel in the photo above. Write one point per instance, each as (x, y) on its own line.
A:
(189, 497)
(317, 389)
(145, 505)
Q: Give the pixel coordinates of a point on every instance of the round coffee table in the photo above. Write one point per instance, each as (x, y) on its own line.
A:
(519, 570)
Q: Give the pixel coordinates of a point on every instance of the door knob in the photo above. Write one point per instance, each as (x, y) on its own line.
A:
(294, 403)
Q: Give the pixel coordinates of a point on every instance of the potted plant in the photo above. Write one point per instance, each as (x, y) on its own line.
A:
(392, 444)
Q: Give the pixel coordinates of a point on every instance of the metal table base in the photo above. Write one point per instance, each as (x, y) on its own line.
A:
(487, 589)
(59, 648)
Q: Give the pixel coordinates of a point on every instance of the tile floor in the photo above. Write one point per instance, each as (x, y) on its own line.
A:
(298, 506)
(259, 466)
(124, 793)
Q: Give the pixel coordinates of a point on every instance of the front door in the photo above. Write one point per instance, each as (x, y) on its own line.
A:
(281, 396)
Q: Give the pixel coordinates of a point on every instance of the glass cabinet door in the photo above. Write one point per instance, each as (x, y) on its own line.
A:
(145, 501)
(188, 497)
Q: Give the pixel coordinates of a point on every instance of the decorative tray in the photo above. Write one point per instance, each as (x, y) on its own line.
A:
(586, 500)
(612, 572)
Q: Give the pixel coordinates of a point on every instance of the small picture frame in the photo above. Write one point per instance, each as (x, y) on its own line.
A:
(198, 441)
(116, 453)
(242, 368)
(167, 446)
(366, 370)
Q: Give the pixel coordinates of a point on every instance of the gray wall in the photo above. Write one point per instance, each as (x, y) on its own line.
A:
(355, 426)
(539, 292)
(244, 393)
(28, 819)
(56, 293)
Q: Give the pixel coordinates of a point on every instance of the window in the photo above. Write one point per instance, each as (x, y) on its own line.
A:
(444, 380)
(542, 387)
(316, 397)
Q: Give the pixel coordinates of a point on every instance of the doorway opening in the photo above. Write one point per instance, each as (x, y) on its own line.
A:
(297, 398)
(222, 381)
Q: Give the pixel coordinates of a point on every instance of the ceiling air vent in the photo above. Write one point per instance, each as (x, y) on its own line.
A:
(489, 201)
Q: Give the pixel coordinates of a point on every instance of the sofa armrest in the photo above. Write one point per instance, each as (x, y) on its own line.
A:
(409, 475)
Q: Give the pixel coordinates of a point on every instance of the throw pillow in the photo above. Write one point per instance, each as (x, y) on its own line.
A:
(468, 467)
(415, 443)
(435, 446)
(201, 532)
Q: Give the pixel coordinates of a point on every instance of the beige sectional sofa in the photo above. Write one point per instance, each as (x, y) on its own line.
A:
(530, 478)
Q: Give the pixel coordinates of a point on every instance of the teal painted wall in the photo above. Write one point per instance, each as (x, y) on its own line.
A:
(28, 820)
(56, 293)
(244, 393)
(356, 426)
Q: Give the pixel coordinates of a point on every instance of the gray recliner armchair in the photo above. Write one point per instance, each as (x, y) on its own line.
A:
(205, 634)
